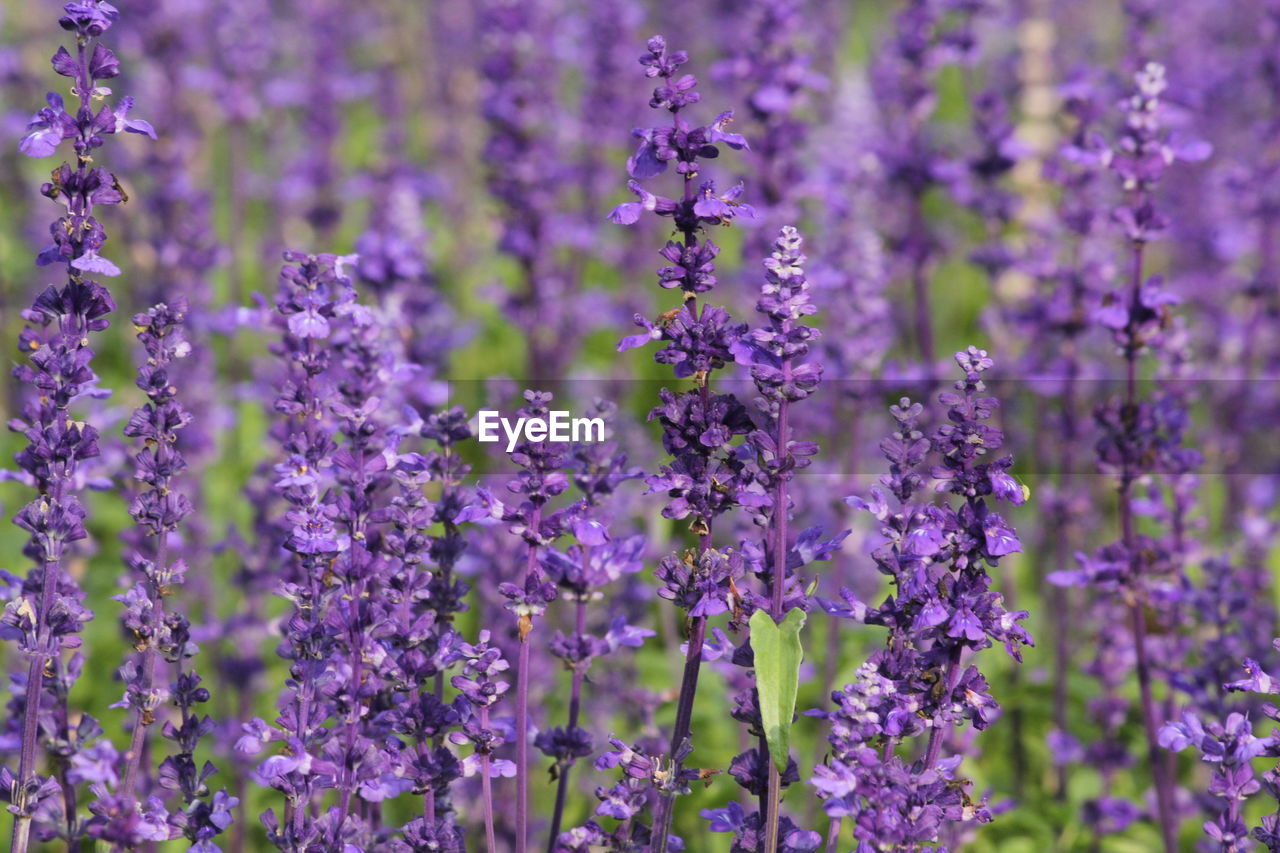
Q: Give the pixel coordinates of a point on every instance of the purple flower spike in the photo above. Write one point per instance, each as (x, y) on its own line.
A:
(941, 614)
(583, 572)
(778, 357)
(1139, 576)
(158, 633)
(311, 286)
(701, 429)
(44, 614)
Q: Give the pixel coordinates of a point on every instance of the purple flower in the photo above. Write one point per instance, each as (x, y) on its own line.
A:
(90, 18)
(942, 610)
(158, 633)
(777, 354)
(1140, 575)
(1229, 746)
(773, 63)
(314, 536)
(705, 477)
(583, 572)
(44, 614)
(532, 162)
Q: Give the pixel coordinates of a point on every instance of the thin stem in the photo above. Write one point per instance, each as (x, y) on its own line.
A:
(486, 789)
(143, 717)
(355, 632)
(296, 803)
(1017, 746)
(1059, 600)
(31, 701)
(238, 150)
(665, 812)
(575, 708)
(780, 498)
(522, 697)
(949, 674)
(62, 765)
(245, 710)
(773, 796)
(21, 836)
(830, 667)
(777, 580)
(355, 640)
(920, 285)
(689, 683)
(445, 569)
(833, 835)
(1137, 613)
(1168, 825)
(53, 491)
(697, 634)
(1239, 410)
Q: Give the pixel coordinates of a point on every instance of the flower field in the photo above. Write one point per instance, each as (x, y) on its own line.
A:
(491, 426)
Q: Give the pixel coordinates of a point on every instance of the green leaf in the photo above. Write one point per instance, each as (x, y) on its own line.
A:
(777, 654)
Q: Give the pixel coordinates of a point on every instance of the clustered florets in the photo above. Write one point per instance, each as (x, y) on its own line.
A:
(941, 613)
(45, 612)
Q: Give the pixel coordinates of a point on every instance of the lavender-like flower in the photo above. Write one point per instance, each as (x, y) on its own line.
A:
(582, 572)
(611, 27)
(394, 265)
(46, 617)
(1139, 437)
(777, 356)
(943, 610)
(525, 153)
(183, 256)
(425, 597)
(481, 687)
(542, 478)
(47, 614)
(344, 588)
(849, 270)
(1231, 746)
(322, 73)
(705, 477)
(1069, 265)
(159, 633)
(313, 293)
(904, 80)
(78, 237)
(773, 67)
(362, 366)
(981, 187)
(644, 775)
(242, 54)
(1253, 188)
(157, 509)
